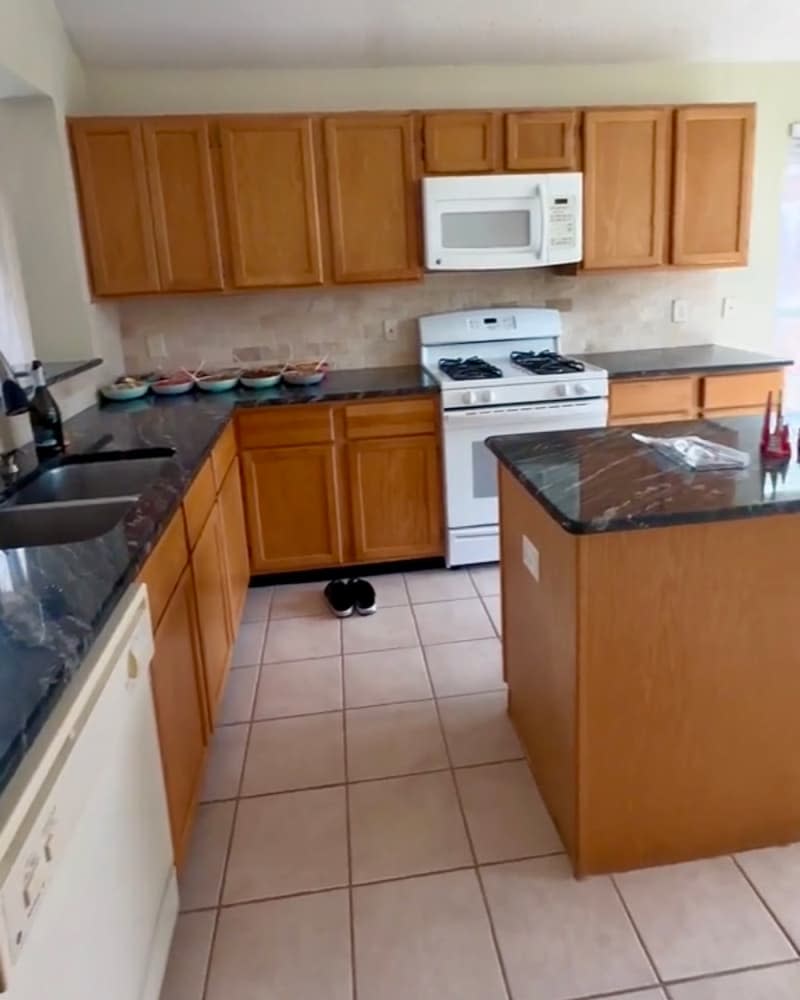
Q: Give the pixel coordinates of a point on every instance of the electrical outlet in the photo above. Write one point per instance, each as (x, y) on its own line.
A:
(680, 310)
(390, 329)
(156, 346)
(728, 307)
(530, 556)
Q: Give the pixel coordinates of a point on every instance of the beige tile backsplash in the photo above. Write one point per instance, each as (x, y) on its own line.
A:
(346, 324)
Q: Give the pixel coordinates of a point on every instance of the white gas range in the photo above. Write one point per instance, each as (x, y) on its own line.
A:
(500, 373)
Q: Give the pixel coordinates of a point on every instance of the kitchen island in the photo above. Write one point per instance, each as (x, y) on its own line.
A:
(651, 645)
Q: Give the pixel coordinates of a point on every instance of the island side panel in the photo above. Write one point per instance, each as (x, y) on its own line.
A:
(539, 647)
(689, 692)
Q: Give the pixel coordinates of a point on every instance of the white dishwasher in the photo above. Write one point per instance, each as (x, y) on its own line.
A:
(88, 895)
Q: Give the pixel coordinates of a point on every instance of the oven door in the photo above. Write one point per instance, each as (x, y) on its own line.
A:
(471, 469)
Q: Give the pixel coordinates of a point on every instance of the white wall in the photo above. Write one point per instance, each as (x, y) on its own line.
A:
(35, 171)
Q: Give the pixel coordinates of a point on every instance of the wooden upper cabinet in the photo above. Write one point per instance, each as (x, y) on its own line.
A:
(461, 142)
(713, 184)
(117, 221)
(270, 185)
(542, 140)
(178, 159)
(373, 197)
(626, 181)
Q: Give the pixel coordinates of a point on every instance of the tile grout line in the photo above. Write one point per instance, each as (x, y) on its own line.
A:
(764, 903)
(237, 801)
(473, 852)
(348, 833)
(636, 931)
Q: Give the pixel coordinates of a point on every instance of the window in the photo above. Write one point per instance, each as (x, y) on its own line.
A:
(16, 342)
(787, 338)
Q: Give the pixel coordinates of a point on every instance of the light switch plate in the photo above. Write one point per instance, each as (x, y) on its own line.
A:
(680, 310)
(530, 556)
(156, 346)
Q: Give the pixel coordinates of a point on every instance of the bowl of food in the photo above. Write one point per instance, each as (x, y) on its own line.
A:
(220, 381)
(305, 373)
(124, 388)
(173, 385)
(263, 377)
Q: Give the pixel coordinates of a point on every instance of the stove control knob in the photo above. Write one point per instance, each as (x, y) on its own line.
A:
(468, 398)
(580, 389)
(562, 389)
(487, 396)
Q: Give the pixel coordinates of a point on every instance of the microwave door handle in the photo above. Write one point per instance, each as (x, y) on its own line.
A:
(539, 195)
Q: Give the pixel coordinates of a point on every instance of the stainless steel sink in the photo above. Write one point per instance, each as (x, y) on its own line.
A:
(92, 477)
(60, 524)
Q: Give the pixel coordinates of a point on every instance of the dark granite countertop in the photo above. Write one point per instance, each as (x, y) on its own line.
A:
(54, 600)
(603, 480)
(678, 360)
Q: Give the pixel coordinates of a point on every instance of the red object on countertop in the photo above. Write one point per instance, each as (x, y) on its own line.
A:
(775, 442)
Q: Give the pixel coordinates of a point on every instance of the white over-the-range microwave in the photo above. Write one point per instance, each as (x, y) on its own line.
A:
(502, 221)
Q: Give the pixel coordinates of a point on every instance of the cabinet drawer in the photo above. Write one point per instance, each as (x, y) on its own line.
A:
(675, 397)
(727, 392)
(398, 418)
(198, 502)
(223, 454)
(161, 572)
(286, 425)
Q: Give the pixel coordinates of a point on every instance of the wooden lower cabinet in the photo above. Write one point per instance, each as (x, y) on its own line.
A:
(687, 397)
(361, 483)
(179, 698)
(395, 498)
(293, 508)
(235, 535)
(211, 588)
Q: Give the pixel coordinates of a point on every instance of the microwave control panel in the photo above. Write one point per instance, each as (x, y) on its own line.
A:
(563, 223)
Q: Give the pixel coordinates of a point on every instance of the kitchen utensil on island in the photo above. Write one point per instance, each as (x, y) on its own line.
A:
(696, 453)
(775, 439)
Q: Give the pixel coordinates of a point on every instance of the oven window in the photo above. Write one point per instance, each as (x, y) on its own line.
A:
(484, 472)
(486, 230)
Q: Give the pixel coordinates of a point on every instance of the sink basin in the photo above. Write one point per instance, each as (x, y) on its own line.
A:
(57, 524)
(92, 477)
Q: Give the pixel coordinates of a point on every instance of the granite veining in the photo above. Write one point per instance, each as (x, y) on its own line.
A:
(54, 600)
(603, 480)
(681, 360)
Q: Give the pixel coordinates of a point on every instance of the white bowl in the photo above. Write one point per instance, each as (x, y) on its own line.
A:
(211, 384)
(260, 382)
(172, 388)
(303, 378)
(120, 393)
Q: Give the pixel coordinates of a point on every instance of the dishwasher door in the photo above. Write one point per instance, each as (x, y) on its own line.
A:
(89, 897)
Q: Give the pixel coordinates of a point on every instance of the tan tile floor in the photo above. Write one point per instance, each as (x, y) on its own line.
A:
(369, 830)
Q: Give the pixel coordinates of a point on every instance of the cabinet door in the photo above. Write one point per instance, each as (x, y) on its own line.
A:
(542, 140)
(713, 184)
(115, 205)
(461, 142)
(179, 698)
(648, 400)
(182, 197)
(238, 557)
(269, 179)
(626, 171)
(396, 497)
(209, 567)
(292, 505)
(373, 197)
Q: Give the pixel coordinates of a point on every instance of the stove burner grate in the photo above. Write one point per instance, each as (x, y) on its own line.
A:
(462, 369)
(546, 362)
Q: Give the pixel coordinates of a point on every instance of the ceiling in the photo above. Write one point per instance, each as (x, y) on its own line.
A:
(350, 33)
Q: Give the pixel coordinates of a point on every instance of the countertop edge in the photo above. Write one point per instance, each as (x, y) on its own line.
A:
(661, 372)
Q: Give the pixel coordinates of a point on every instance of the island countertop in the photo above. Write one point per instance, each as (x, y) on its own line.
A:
(664, 361)
(602, 480)
(54, 600)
